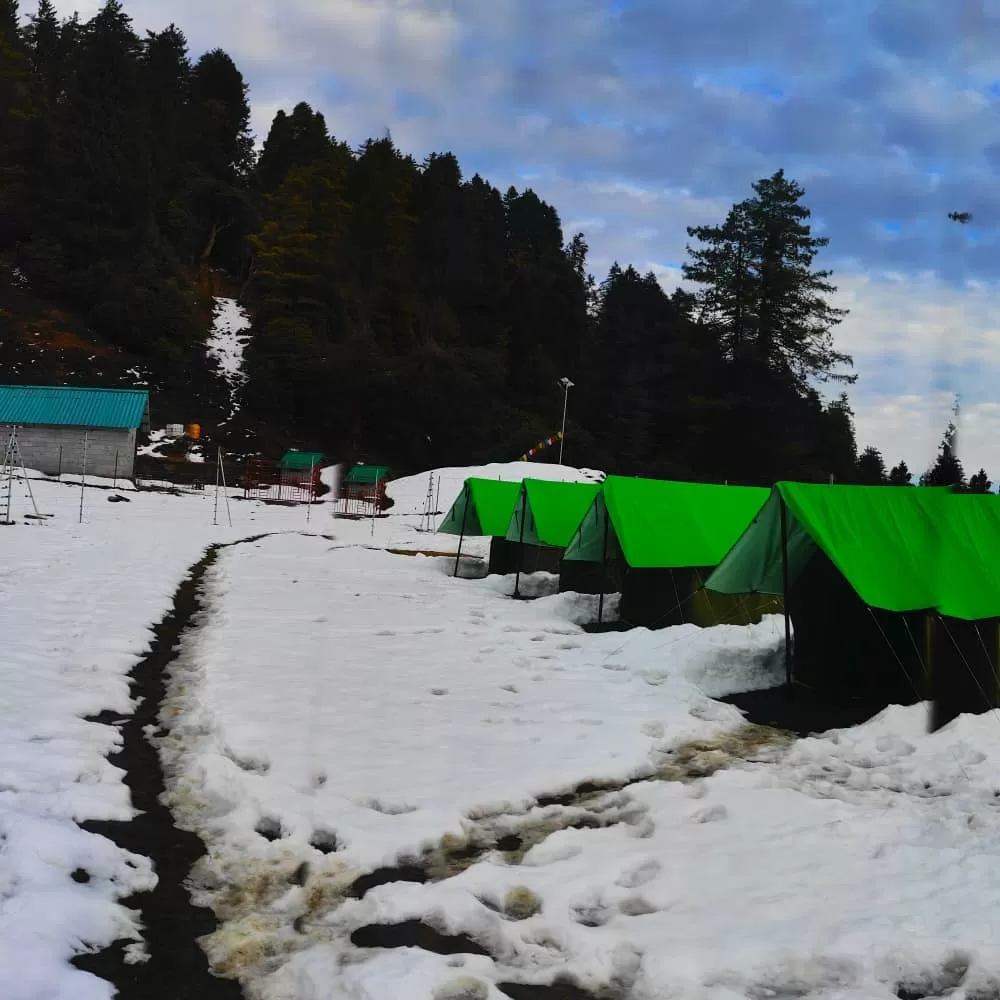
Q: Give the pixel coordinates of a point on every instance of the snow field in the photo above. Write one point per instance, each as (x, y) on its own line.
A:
(337, 695)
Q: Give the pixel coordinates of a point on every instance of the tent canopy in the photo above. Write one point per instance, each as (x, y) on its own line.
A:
(551, 511)
(658, 524)
(484, 507)
(899, 549)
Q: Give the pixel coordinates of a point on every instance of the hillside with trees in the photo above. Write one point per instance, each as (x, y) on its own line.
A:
(402, 312)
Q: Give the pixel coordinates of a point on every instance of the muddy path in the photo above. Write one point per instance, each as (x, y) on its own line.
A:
(176, 967)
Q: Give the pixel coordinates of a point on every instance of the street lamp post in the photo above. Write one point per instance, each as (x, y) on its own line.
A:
(567, 385)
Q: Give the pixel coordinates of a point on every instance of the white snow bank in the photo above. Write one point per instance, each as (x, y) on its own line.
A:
(338, 692)
(409, 495)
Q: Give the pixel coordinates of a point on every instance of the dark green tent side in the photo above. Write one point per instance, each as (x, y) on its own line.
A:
(658, 540)
(892, 593)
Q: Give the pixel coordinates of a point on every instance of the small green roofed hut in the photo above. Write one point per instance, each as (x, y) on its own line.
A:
(893, 593)
(483, 508)
(546, 515)
(659, 539)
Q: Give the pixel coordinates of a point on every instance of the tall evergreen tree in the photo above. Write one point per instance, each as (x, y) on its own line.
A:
(900, 475)
(871, 468)
(980, 482)
(947, 469)
(14, 116)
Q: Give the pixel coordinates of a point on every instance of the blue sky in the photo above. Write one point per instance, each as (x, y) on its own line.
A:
(637, 118)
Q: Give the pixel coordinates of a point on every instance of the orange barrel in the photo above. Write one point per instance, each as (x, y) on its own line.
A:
(193, 431)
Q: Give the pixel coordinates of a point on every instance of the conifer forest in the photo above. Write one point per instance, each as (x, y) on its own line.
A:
(402, 311)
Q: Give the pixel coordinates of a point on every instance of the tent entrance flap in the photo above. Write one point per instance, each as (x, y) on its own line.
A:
(754, 565)
(849, 649)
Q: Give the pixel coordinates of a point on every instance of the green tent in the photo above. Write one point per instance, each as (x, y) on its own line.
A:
(655, 541)
(878, 582)
(548, 512)
(545, 518)
(484, 508)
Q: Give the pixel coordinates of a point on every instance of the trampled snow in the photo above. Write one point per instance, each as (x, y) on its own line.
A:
(577, 803)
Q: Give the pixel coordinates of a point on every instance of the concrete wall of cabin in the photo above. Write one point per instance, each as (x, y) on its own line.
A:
(40, 449)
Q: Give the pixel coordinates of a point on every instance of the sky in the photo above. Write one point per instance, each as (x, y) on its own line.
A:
(638, 118)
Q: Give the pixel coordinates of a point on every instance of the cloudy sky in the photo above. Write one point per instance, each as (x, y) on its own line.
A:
(636, 118)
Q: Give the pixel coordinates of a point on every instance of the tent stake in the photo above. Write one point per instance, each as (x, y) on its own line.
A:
(604, 562)
(520, 543)
(461, 535)
(784, 589)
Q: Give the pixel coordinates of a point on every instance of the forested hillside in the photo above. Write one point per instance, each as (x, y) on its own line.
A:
(401, 311)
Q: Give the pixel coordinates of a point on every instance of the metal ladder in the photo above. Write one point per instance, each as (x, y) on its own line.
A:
(13, 466)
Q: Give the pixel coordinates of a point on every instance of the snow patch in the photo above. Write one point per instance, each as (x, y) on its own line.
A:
(226, 343)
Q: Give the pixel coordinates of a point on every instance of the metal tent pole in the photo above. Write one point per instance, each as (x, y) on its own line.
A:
(604, 563)
(461, 534)
(784, 589)
(520, 542)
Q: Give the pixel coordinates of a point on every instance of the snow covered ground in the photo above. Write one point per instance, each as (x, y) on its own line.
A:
(412, 786)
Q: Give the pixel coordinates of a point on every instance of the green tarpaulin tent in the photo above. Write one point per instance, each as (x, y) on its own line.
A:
(483, 507)
(900, 549)
(659, 524)
(548, 512)
(889, 589)
(545, 518)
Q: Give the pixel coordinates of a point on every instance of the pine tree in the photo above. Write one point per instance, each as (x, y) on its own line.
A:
(295, 140)
(14, 121)
(762, 295)
(900, 475)
(871, 468)
(980, 482)
(947, 470)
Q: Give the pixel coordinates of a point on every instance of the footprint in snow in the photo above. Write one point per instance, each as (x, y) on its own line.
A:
(710, 815)
(569, 645)
(439, 691)
(636, 906)
(508, 687)
(639, 874)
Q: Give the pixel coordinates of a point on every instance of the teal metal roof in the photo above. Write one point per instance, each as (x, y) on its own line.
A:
(367, 474)
(301, 460)
(71, 406)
